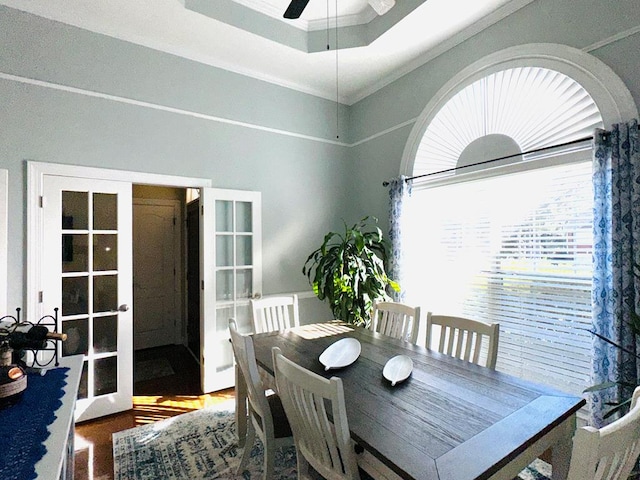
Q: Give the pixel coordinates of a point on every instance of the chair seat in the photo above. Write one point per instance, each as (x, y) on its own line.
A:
(281, 427)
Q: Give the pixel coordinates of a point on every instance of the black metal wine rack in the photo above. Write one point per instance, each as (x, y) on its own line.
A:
(51, 345)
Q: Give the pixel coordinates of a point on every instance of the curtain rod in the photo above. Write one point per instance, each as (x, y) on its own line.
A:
(537, 150)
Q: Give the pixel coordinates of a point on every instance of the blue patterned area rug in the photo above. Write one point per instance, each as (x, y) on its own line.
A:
(202, 445)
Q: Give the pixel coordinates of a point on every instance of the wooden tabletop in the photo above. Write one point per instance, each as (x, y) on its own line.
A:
(450, 420)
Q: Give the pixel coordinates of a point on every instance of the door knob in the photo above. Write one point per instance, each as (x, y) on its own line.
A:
(122, 308)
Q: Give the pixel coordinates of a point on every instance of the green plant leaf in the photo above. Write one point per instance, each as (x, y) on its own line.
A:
(617, 407)
(348, 270)
(600, 386)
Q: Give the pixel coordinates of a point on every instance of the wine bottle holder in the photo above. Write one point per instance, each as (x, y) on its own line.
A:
(31, 357)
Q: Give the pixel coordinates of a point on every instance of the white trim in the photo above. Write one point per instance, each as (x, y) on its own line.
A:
(4, 196)
(607, 89)
(384, 132)
(155, 106)
(35, 234)
(363, 94)
(614, 38)
(273, 11)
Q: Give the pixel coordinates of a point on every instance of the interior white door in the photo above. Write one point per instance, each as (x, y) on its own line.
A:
(87, 274)
(156, 257)
(231, 271)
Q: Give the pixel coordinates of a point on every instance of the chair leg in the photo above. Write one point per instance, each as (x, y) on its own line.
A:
(269, 459)
(248, 445)
(303, 466)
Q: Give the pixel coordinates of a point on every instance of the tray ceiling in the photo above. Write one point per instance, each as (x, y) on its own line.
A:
(251, 37)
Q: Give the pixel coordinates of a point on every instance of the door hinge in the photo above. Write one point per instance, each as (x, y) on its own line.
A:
(40, 296)
(41, 201)
(174, 221)
(202, 210)
(201, 284)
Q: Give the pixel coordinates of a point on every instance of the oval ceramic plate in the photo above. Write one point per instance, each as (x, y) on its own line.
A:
(340, 354)
(397, 369)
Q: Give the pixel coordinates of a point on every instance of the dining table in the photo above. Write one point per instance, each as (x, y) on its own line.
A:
(448, 420)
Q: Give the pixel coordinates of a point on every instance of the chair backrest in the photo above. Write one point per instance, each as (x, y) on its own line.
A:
(608, 453)
(396, 320)
(462, 338)
(325, 445)
(274, 313)
(246, 359)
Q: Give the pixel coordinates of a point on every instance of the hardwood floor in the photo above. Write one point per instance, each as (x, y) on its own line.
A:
(154, 399)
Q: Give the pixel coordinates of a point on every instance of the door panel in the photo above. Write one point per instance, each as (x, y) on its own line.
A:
(87, 272)
(155, 269)
(231, 271)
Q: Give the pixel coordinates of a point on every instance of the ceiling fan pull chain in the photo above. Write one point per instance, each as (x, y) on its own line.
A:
(337, 90)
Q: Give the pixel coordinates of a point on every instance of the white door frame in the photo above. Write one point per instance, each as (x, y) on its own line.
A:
(35, 235)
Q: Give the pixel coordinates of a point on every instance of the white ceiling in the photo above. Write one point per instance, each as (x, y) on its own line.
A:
(167, 25)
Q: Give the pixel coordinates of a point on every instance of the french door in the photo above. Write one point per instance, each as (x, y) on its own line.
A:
(87, 274)
(231, 274)
(80, 261)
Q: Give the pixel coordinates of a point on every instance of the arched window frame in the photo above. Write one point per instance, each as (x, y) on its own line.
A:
(610, 94)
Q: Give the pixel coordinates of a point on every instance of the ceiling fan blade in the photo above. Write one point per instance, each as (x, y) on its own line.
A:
(295, 8)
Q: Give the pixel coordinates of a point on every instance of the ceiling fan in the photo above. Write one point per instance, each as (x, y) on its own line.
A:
(296, 7)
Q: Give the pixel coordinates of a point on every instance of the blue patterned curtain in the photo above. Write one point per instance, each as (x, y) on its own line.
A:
(616, 181)
(399, 190)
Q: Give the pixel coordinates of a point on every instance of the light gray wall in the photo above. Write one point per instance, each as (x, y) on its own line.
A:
(309, 186)
(576, 23)
(304, 182)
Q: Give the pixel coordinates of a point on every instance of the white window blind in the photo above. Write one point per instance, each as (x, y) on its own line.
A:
(514, 249)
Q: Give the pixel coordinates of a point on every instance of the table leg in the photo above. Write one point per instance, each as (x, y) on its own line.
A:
(561, 451)
(241, 407)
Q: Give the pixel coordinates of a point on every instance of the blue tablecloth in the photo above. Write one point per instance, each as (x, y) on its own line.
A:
(23, 426)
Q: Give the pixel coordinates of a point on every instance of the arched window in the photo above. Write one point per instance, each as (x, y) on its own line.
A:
(506, 113)
(508, 241)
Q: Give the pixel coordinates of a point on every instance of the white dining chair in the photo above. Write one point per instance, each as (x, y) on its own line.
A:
(323, 444)
(275, 313)
(608, 453)
(267, 417)
(396, 320)
(463, 338)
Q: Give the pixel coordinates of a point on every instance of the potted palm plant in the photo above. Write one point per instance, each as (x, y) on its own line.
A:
(348, 270)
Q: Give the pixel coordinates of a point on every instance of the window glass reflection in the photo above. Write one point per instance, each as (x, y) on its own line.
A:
(224, 250)
(105, 293)
(83, 388)
(105, 376)
(75, 296)
(224, 216)
(243, 217)
(105, 334)
(75, 210)
(105, 252)
(105, 211)
(77, 342)
(75, 253)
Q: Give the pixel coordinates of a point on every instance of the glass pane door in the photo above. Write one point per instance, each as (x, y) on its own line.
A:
(232, 273)
(89, 254)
